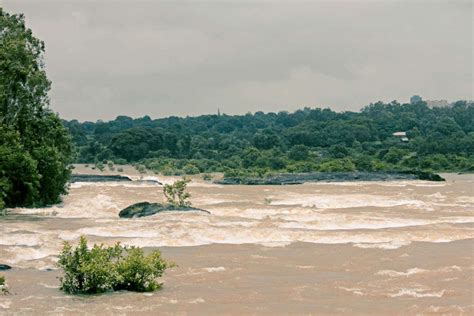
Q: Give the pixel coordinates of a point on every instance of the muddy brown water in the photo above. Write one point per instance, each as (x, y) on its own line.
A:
(380, 248)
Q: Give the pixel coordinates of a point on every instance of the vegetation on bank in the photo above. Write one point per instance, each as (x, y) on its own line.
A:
(102, 269)
(308, 140)
(35, 148)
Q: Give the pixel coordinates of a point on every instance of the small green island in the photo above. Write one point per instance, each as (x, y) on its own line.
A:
(177, 201)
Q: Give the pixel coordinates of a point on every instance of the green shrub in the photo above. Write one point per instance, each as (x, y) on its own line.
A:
(110, 164)
(139, 272)
(141, 169)
(99, 165)
(102, 269)
(120, 161)
(120, 169)
(337, 165)
(190, 169)
(3, 285)
(207, 177)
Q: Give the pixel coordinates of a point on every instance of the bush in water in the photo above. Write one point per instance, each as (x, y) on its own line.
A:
(3, 285)
(101, 269)
(176, 193)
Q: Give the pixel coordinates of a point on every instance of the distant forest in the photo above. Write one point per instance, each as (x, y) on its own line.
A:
(311, 139)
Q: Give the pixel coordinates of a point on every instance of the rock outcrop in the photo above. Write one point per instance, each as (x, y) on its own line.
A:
(300, 178)
(4, 267)
(147, 209)
(106, 178)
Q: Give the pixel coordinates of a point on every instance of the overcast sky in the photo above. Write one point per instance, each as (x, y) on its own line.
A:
(109, 58)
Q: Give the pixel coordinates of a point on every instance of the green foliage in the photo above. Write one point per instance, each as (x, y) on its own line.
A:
(141, 169)
(35, 148)
(99, 165)
(190, 169)
(111, 166)
(337, 165)
(139, 272)
(306, 140)
(175, 193)
(102, 269)
(207, 177)
(3, 285)
(298, 153)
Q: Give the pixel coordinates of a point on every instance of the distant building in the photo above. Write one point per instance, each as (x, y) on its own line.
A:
(415, 99)
(437, 103)
(400, 134)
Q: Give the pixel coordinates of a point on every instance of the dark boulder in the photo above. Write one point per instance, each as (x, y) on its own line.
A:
(97, 178)
(4, 267)
(147, 209)
(428, 176)
(107, 178)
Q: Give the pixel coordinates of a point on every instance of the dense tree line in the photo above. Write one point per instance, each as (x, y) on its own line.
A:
(311, 139)
(35, 148)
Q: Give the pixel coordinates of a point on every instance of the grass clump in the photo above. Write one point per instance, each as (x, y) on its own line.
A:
(103, 269)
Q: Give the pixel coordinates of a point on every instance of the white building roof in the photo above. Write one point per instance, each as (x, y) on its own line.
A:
(400, 134)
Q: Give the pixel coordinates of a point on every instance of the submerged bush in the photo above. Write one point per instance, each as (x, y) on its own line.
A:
(3, 285)
(102, 269)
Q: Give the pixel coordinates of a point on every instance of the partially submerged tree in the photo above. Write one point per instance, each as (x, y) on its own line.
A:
(35, 148)
(175, 193)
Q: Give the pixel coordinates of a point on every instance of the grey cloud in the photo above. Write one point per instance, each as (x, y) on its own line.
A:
(186, 58)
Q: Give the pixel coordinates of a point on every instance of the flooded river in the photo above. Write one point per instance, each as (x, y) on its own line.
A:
(400, 247)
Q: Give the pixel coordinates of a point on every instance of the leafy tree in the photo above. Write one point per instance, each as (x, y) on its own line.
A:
(288, 142)
(35, 147)
(299, 153)
(175, 193)
(395, 155)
